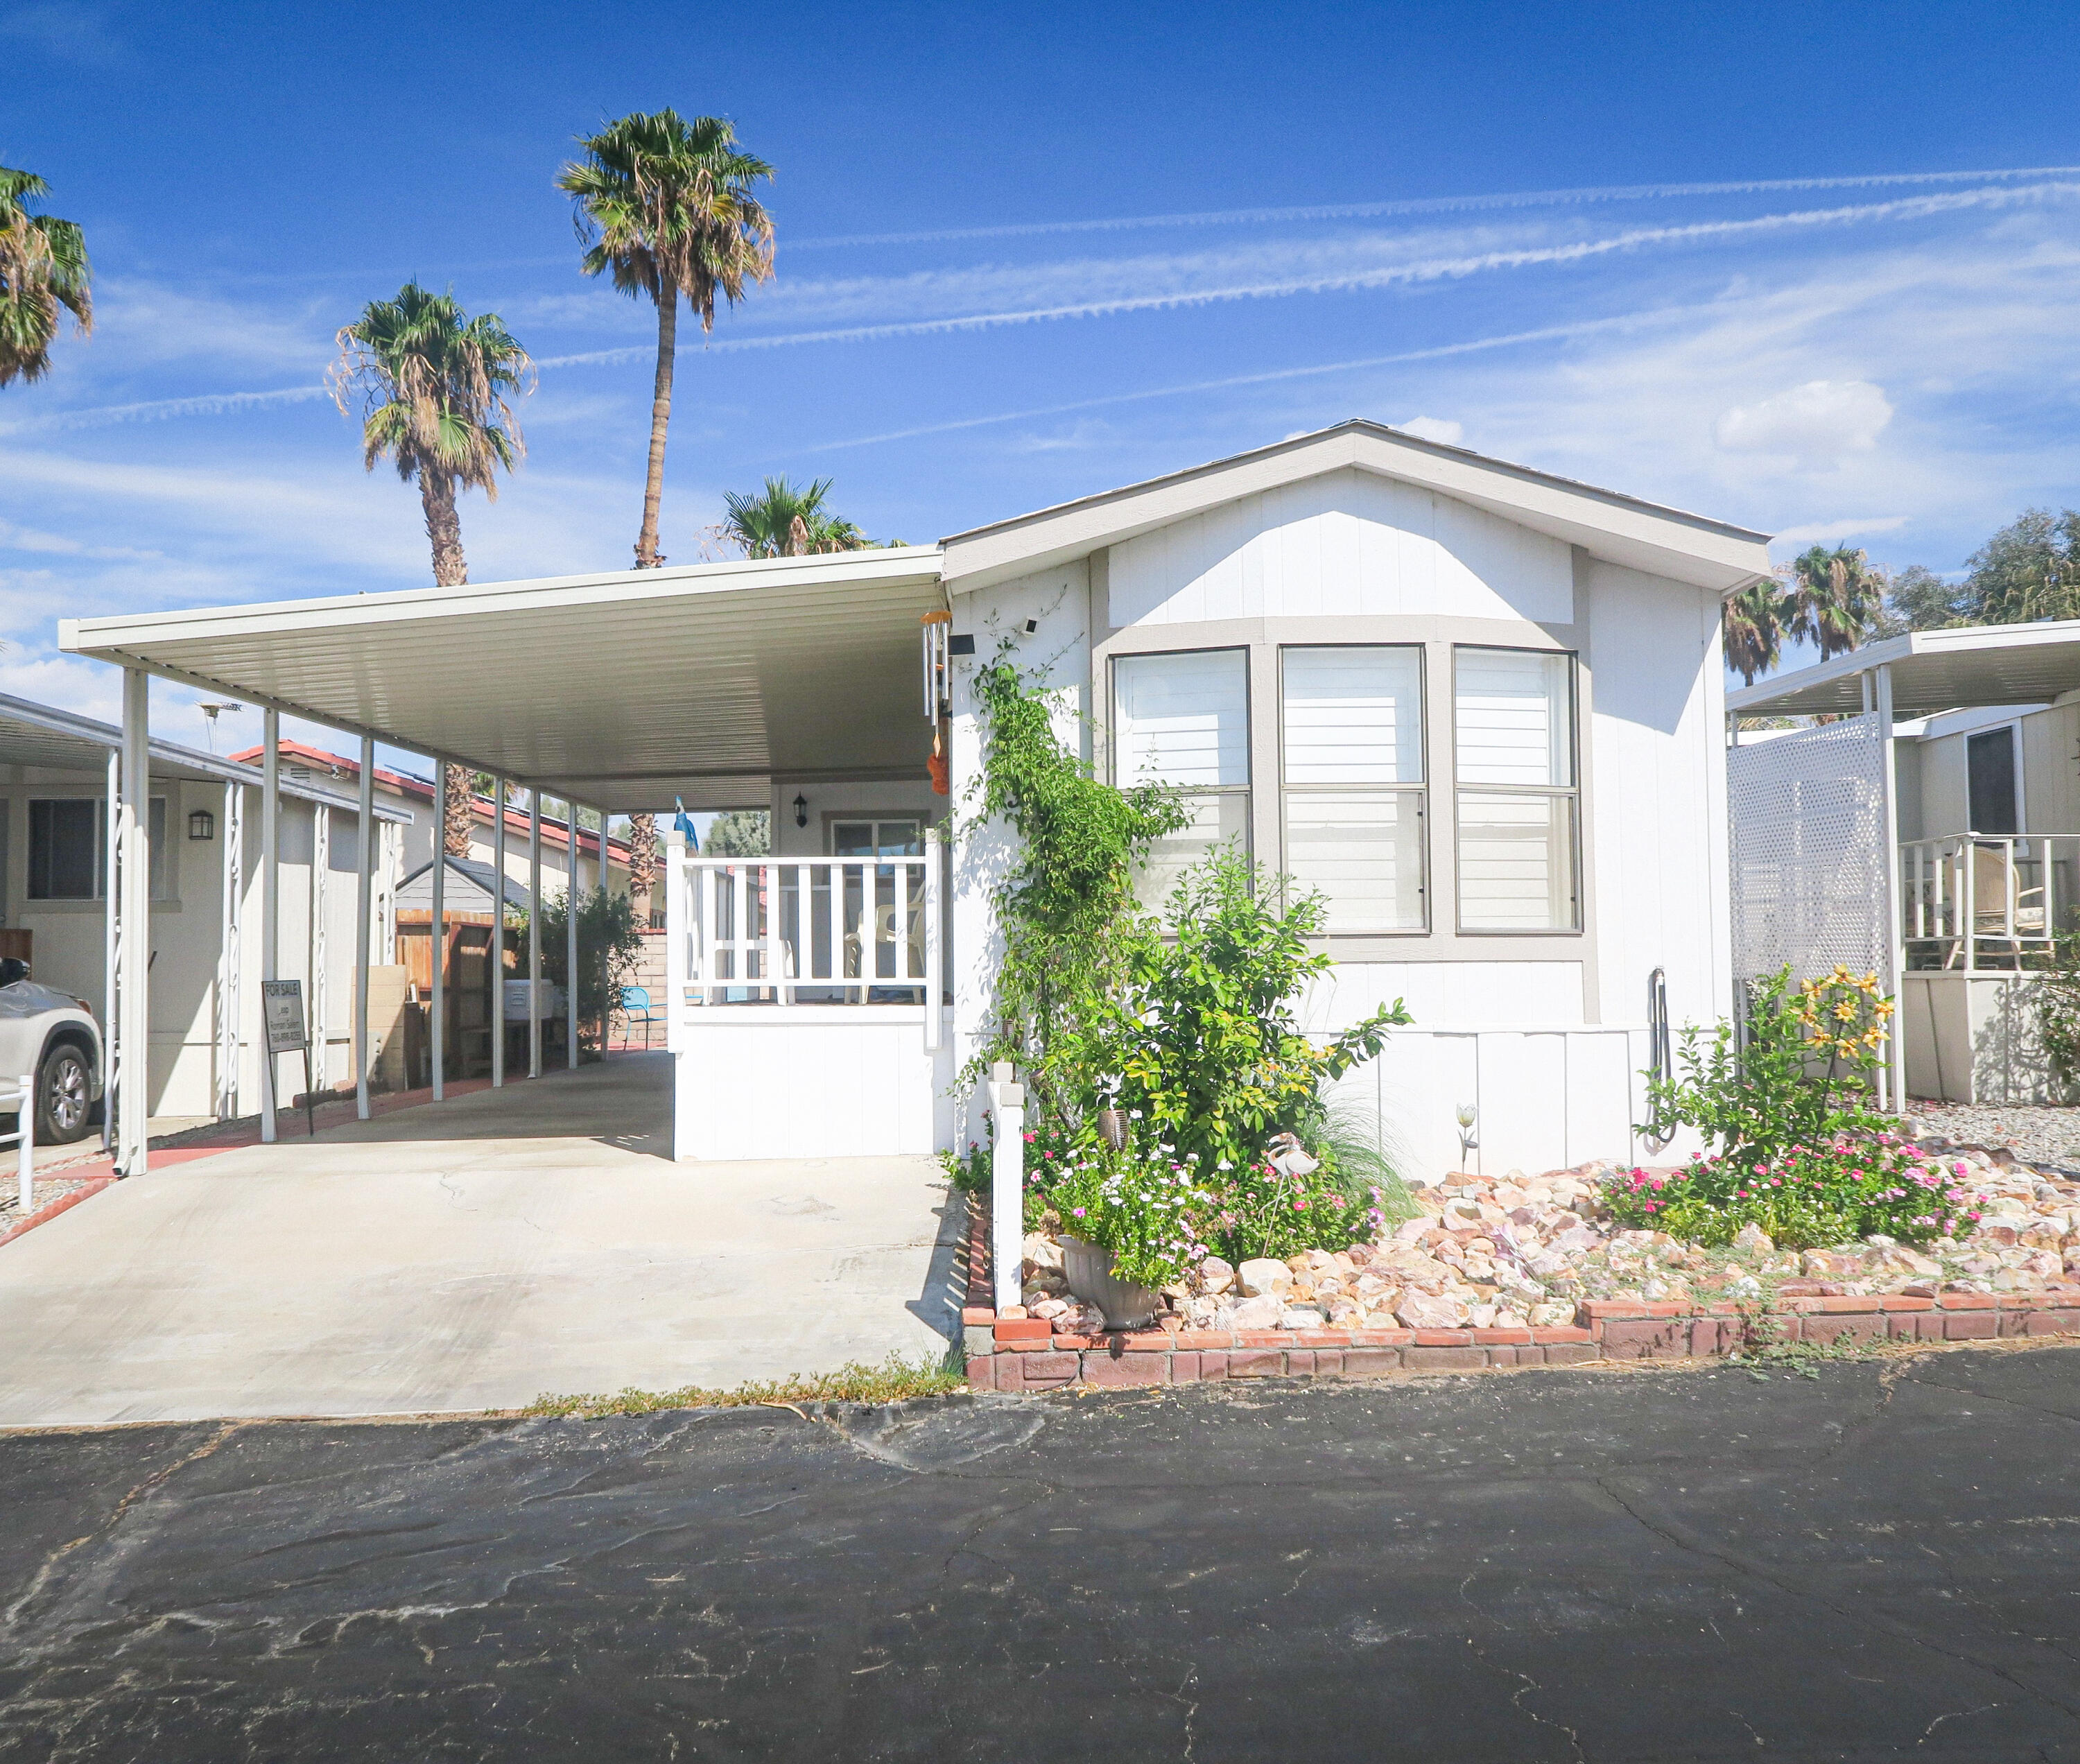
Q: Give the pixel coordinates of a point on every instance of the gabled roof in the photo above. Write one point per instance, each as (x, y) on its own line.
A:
(476, 874)
(1619, 529)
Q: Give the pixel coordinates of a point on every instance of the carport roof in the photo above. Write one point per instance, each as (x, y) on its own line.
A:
(44, 738)
(711, 682)
(1932, 671)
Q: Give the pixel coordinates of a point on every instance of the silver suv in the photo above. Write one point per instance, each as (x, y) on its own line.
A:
(53, 1034)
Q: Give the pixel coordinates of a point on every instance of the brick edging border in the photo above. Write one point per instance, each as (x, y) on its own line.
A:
(1010, 1351)
(44, 1214)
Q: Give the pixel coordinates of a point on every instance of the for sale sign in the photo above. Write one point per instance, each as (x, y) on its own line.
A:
(283, 1001)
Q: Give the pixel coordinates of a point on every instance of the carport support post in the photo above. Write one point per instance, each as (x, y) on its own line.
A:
(1895, 905)
(364, 905)
(1007, 1185)
(438, 1038)
(111, 918)
(571, 942)
(271, 899)
(132, 1104)
(535, 932)
(498, 932)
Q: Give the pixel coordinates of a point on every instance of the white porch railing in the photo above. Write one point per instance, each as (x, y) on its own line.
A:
(1980, 902)
(790, 932)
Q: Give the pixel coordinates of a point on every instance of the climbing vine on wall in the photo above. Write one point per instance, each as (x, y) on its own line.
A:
(1066, 909)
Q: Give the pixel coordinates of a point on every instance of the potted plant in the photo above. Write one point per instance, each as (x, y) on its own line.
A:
(1130, 1225)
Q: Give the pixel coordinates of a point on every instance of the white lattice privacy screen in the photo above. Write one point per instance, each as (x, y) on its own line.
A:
(1809, 860)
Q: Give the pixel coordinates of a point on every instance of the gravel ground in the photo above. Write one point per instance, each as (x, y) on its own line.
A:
(48, 1189)
(2042, 1135)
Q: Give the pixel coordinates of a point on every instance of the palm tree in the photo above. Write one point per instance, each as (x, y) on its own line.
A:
(1835, 598)
(666, 205)
(44, 271)
(1753, 625)
(433, 384)
(785, 521)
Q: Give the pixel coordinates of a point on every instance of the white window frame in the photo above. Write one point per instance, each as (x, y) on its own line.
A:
(1245, 792)
(1419, 790)
(1571, 792)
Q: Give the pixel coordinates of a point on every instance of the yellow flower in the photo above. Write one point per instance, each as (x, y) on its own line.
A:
(1883, 1007)
(1845, 1046)
(1846, 1011)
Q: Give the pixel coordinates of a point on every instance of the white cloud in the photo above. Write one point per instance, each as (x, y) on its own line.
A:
(1434, 429)
(1815, 423)
(1837, 530)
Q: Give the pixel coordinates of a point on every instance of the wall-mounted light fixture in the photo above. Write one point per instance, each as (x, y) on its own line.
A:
(202, 824)
(801, 811)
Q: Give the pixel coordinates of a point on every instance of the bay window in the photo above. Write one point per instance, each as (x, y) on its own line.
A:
(1518, 800)
(1182, 720)
(1352, 795)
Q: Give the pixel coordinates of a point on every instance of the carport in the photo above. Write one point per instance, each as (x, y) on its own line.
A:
(721, 685)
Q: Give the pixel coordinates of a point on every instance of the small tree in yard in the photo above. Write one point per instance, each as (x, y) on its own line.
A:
(610, 947)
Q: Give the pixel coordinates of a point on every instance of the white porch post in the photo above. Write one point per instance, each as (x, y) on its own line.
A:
(678, 926)
(271, 897)
(497, 933)
(1894, 908)
(318, 957)
(111, 938)
(133, 1104)
(535, 932)
(231, 952)
(364, 906)
(437, 1040)
(571, 942)
(1007, 1185)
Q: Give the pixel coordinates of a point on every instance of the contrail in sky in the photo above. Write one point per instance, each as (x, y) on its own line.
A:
(1424, 269)
(1528, 199)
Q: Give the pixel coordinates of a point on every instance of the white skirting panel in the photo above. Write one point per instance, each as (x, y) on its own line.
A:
(834, 1082)
(1546, 1099)
(1973, 1038)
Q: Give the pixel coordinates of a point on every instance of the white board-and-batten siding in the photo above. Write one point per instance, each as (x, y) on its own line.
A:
(1547, 1050)
(1348, 543)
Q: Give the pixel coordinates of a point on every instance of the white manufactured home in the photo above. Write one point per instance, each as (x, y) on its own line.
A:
(1479, 708)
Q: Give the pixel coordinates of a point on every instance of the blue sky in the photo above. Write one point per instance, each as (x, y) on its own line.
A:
(1814, 269)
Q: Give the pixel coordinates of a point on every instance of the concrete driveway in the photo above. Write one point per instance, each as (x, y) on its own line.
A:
(469, 1256)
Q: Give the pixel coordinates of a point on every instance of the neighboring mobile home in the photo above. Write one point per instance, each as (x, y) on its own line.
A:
(1479, 707)
(1930, 829)
(54, 798)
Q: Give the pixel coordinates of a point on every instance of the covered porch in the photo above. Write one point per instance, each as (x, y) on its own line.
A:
(806, 1002)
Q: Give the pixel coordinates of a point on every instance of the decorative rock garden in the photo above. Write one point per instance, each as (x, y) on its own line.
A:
(1517, 1270)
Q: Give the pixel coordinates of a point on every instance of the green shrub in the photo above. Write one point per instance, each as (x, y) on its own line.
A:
(1206, 1037)
(610, 950)
(2057, 999)
(1801, 1073)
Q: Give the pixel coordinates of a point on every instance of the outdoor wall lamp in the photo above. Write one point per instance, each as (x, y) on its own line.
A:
(202, 824)
(801, 811)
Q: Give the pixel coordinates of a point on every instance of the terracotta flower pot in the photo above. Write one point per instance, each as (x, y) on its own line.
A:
(1088, 1271)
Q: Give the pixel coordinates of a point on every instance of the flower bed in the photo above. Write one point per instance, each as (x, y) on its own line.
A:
(1516, 1270)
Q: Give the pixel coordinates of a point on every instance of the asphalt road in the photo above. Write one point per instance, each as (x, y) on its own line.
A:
(1881, 1562)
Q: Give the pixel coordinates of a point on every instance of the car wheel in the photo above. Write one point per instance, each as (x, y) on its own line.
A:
(64, 1098)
